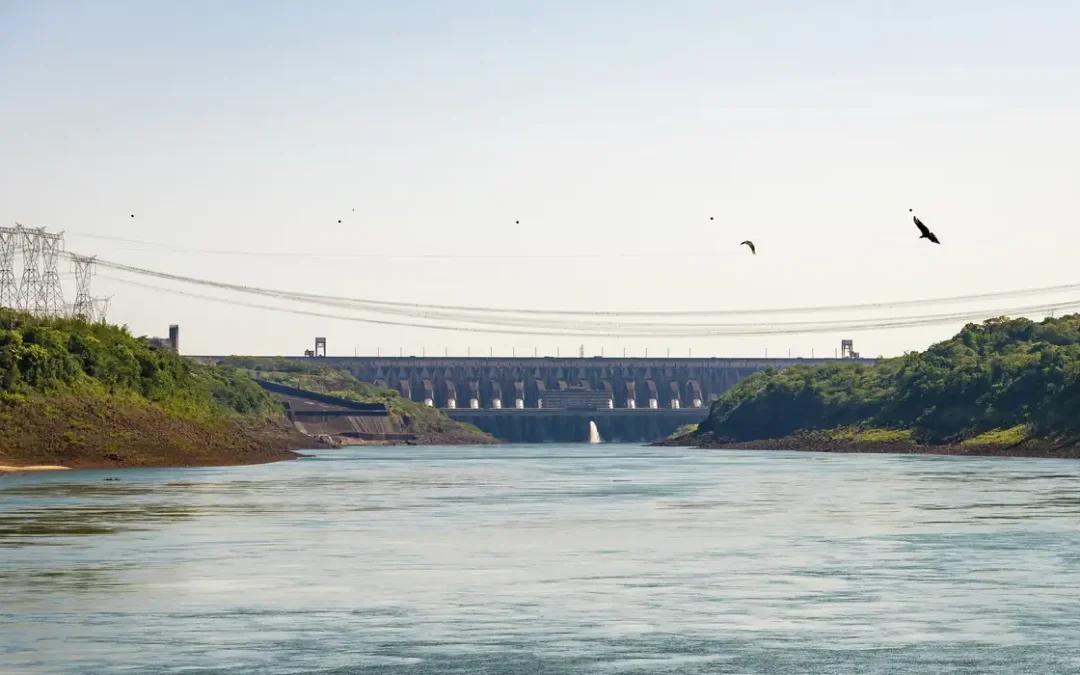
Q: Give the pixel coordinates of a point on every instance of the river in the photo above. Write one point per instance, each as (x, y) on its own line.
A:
(546, 559)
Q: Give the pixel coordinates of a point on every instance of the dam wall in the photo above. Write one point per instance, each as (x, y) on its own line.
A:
(465, 382)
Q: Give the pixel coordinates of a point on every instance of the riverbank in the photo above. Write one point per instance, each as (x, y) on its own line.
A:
(825, 441)
(94, 431)
(1005, 388)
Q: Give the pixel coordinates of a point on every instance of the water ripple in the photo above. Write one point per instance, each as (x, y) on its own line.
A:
(553, 559)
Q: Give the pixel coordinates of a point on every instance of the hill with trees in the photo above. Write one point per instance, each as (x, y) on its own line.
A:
(91, 394)
(1004, 383)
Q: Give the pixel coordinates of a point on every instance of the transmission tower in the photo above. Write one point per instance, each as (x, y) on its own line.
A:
(101, 308)
(27, 297)
(84, 304)
(51, 293)
(9, 288)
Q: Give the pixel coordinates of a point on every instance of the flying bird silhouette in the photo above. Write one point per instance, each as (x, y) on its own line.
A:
(926, 233)
(751, 245)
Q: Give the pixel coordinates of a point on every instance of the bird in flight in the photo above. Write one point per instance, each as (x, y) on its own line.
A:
(926, 233)
(751, 245)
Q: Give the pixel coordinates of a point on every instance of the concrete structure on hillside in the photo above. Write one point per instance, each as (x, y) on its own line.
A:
(317, 414)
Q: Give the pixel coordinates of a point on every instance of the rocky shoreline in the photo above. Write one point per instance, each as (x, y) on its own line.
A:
(818, 442)
(71, 432)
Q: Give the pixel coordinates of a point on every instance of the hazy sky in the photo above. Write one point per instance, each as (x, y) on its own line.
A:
(610, 129)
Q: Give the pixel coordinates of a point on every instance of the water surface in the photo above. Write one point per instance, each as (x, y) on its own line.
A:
(546, 559)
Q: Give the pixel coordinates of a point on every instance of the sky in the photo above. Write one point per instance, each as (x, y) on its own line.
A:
(545, 155)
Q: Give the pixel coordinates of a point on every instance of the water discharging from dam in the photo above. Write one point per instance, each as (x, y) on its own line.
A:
(594, 434)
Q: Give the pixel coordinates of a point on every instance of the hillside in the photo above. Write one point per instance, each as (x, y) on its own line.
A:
(1008, 383)
(429, 425)
(90, 394)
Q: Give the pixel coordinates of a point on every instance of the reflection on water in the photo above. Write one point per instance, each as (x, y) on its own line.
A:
(553, 559)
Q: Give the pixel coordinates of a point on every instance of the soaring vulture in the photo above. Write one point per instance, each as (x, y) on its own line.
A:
(926, 233)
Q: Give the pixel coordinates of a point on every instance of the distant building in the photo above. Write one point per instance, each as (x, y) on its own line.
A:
(172, 342)
(319, 351)
(847, 349)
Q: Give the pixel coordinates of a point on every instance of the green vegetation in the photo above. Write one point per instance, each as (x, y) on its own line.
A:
(1000, 382)
(79, 392)
(684, 430)
(68, 356)
(430, 424)
(871, 435)
(1011, 436)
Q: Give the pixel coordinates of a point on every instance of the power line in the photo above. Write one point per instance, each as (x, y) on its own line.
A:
(778, 329)
(464, 312)
(661, 328)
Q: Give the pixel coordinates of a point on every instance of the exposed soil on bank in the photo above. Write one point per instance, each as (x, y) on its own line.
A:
(448, 432)
(108, 432)
(820, 442)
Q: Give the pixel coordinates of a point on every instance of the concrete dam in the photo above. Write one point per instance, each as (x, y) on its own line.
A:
(528, 399)
(500, 383)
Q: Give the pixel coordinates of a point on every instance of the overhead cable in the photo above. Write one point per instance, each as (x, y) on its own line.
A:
(777, 329)
(383, 305)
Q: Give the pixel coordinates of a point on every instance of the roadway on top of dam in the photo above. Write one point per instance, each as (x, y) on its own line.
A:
(559, 361)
